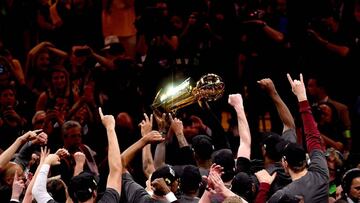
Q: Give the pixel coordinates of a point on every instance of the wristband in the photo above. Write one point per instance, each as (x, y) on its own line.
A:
(170, 197)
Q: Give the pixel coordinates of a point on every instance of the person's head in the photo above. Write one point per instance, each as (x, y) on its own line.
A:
(177, 22)
(357, 11)
(83, 115)
(38, 120)
(244, 185)
(72, 135)
(79, 55)
(124, 121)
(269, 146)
(190, 180)
(294, 158)
(7, 97)
(8, 172)
(225, 158)
(193, 18)
(335, 162)
(233, 199)
(170, 177)
(59, 78)
(326, 113)
(57, 189)
(42, 60)
(113, 47)
(351, 184)
(203, 147)
(316, 88)
(83, 187)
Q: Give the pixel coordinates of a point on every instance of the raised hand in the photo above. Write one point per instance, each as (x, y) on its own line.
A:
(176, 125)
(79, 158)
(44, 153)
(146, 124)
(161, 122)
(153, 137)
(18, 186)
(28, 136)
(236, 100)
(264, 177)
(298, 87)
(52, 159)
(41, 139)
(107, 120)
(267, 85)
(62, 152)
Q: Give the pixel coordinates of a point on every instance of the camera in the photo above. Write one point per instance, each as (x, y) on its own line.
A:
(82, 52)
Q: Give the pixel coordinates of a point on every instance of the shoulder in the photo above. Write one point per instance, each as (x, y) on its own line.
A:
(338, 105)
(277, 196)
(110, 196)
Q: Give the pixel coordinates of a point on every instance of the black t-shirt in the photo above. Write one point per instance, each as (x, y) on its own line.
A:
(110, 195)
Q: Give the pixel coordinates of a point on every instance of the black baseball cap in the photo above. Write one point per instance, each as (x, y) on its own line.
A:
(82, 186)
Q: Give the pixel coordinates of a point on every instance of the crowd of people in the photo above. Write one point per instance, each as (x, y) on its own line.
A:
(64, 63)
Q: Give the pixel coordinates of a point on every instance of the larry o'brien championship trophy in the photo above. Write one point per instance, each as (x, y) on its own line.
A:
(209, 87)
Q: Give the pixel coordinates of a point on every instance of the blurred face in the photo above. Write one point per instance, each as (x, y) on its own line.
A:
(43, 61)
(73, 138)
(281, 6)
(330, 23)
(39, 121)
(10, 172)
(81, 116)
(357, 13)
(312, 87)
(355, 188)
(192, 19)
(177, 22)
(7, 98)
(124, 120)
(58, 79)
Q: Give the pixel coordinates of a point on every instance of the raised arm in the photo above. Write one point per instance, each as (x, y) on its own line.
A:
(283, 111)
(178, 128)
(114, 157)
(147, 158)
(39, 190)
(338, 49)
(130, 152)
(244, 150)
(28, 194)
(160, 151)
(312, 134)
(8, 154)
(22, 158)
(272, 33)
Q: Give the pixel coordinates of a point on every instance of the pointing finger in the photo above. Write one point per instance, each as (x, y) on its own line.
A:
(101, 113)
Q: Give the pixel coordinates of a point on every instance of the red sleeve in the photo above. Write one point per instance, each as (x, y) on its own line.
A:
(312, 134)
(262, 194)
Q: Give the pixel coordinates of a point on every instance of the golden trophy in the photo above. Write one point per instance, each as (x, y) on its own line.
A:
(209, 87)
